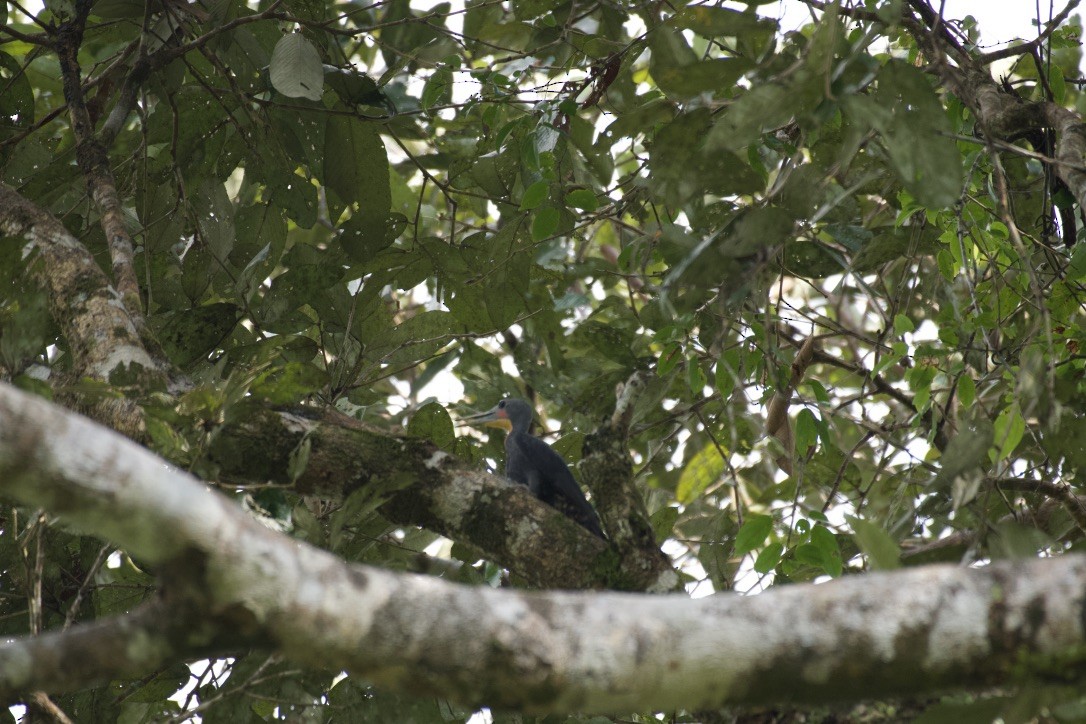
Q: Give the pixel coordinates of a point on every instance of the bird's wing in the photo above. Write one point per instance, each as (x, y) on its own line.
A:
(533, 455)
(532, 462)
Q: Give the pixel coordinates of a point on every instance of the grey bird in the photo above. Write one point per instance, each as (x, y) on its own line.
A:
(531, 462)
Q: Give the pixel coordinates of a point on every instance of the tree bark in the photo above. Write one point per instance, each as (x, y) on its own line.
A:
(922, 629)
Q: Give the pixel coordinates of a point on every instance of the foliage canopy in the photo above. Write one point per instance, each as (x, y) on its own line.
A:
(855, 299)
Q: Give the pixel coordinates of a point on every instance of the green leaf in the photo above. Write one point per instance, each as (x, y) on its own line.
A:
(288, 383)
(948, 267)
(825, 543)
(1010, 426)
(17, 99)
(756, 229)
(495, 173)
(811, 260)
(703, 76)
(353, 87)
(581, 199)
(215, 218)
(916, 132)
(191, 335)
(726, 374)
(768, 559)
(967, 450)
(26, 327)
(806, 431)
(881, 550)
(432, 422)
(695, 377)
(570, 447)
(892, 244)
(1058, 83)
(809, 555)
(364, 234)
(681, 168)
(258, 223)
(967, 390)
(298, 460)
(903, 324)
(534, 195)
(295, 69)
(756, 528)
(356, 170)
(636, 121)
(765, 106)
(368, 705)
(701, 471)
(669, 359)
(545, 223)
(297, 197)
(356, 165)
(679, 72)
(438, 88)
(715, 21)
(663, 522)
(529, 9)
(493, 296)
(161, 686)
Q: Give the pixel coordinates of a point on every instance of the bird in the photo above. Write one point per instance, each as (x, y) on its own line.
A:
(531, 462)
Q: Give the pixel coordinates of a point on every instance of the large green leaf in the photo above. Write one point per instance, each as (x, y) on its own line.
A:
(495, 294)
(702, 470)
(191, 335)
(681, 167)
(356, 164)
(765, 106)
(915, 129)
(295, 68)
(356, 170)
(881, 550)
(681, 75)
(713, 21)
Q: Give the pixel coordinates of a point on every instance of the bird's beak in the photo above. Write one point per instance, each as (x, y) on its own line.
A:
(494, 417)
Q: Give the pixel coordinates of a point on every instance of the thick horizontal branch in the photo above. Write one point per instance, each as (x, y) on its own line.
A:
(469, 506)
(129, 646)
(922, 629)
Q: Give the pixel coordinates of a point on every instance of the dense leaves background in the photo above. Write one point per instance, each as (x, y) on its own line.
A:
(349, 204)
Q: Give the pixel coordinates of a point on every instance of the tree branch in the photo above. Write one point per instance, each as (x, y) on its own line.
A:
(103, 340)
(128, 646)
(94, 163)
(777, 424)
(505, 521)
(1004, 116)
(874, 635)
(608, 473)
(1031, 46)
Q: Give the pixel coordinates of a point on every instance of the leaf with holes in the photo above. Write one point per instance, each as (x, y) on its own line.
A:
(295, 69)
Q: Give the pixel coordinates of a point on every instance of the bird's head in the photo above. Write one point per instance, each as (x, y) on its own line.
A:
(509, 414)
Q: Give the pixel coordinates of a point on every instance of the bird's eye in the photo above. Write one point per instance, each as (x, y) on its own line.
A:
(501, 404)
